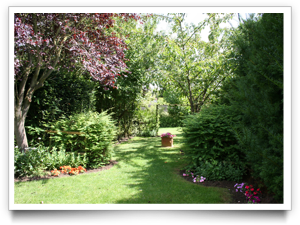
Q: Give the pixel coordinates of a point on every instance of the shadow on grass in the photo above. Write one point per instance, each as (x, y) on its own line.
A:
(158, 180)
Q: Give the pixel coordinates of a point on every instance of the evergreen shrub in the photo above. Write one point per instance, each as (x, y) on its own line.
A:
(256, 90)
(212, 148)
(96, 131)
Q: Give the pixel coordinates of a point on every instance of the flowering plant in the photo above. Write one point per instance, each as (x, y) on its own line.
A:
(68, 170)
(199, 179)
(250, 193)
(55, 173)
(168, 135)
(81, 169)
(65, 169)
(74, 171)
(239, 187)
(196, 178)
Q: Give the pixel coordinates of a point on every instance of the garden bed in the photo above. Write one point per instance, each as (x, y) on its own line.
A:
(237, 197)
(106, 167)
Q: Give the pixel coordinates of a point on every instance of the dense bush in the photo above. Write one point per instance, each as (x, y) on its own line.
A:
(94, 135)
(36, 160)
(212, 148)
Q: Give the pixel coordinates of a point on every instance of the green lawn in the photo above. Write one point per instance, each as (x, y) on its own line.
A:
(146, 173)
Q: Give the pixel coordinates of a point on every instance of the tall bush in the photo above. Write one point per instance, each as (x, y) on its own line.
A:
(94, 135)
(256, 90)
(212, 148)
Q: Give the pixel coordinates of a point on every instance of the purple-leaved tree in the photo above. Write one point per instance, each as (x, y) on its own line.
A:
(45, 42)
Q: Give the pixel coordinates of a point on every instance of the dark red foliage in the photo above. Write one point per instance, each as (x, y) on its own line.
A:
(70, 41)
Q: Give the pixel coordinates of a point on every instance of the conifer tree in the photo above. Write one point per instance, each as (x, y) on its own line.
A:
(256, 92)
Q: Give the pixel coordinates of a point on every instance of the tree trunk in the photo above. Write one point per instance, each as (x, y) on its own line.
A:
(22, 102)
(19, 129)
(192, 105)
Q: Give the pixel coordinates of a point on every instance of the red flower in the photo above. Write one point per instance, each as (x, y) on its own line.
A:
(252, 189)
(247, 187)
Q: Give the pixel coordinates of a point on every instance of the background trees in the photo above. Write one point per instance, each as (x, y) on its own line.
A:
(195, 68)
(144, 45)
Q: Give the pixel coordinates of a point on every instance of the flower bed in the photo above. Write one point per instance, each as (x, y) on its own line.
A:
(67, 170)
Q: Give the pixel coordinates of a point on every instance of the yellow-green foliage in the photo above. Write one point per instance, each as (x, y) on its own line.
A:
(95, 139)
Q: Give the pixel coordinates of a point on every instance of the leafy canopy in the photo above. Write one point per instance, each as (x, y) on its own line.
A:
(54, 41)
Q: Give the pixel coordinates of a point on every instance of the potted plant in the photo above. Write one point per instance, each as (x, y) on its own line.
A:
(167, 139)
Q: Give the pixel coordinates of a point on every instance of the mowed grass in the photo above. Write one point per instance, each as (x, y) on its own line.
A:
(146, 173)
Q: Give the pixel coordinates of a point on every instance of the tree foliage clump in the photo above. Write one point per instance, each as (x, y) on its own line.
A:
(64, 94)
(256, 90)
(91, 133)
(125, 101)
(193, 67)
(212, 147)
(177, 109)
